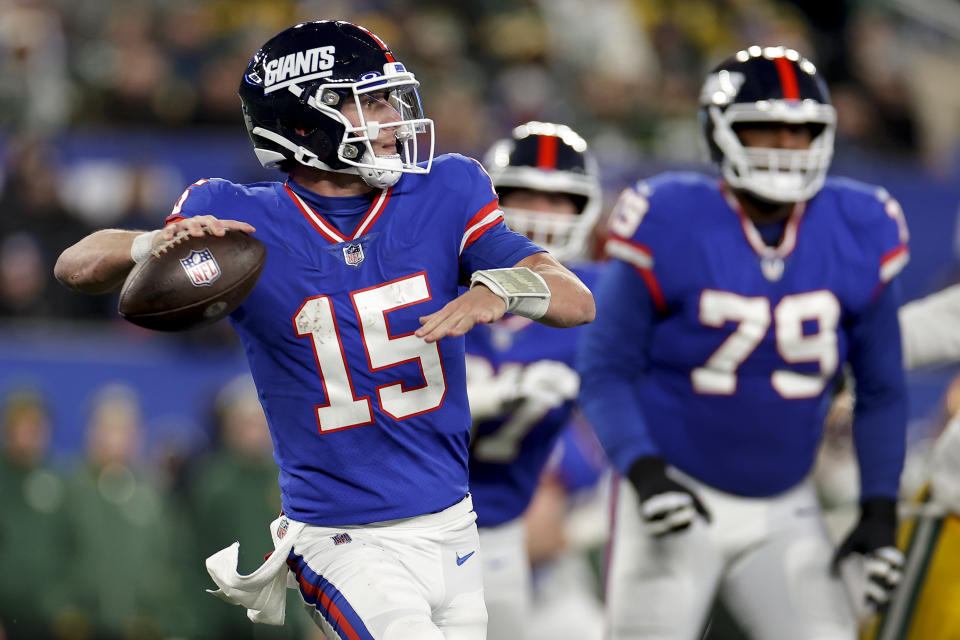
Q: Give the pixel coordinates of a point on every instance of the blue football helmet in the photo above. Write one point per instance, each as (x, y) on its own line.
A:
(296, 84)
(542, 156)
(762, 85)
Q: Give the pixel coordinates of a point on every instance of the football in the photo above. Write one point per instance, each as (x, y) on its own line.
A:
(190, 282)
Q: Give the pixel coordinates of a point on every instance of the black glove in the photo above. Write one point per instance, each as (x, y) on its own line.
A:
(874, 537)
(666, 505)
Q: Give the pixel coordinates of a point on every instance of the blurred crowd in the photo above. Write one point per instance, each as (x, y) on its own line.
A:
(110, 544)
(630, 69)
(626, 73)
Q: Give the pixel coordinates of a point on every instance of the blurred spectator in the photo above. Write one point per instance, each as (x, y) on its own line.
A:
(881, 67)
(123, 577)
(34, 539)
(234, 495)
(34, 86)
(34, 229)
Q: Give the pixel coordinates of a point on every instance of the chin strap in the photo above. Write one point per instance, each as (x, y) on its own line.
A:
(385, 175)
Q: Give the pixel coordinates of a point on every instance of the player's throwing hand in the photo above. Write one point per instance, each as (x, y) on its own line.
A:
(666, 506)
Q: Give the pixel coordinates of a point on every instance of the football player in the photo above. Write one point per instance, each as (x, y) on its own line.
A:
(354, 332)
(520, 377)
(925, 604)
(722, 325)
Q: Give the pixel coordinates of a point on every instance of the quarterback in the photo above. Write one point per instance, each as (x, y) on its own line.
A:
(354, 333)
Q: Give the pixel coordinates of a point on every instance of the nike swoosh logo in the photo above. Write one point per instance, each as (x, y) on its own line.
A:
(461, 560)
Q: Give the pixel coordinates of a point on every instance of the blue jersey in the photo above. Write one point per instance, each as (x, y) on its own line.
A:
(508, 452)
(718, 352)
(369, 422)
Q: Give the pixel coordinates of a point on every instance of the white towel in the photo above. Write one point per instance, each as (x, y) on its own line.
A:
(263, 592)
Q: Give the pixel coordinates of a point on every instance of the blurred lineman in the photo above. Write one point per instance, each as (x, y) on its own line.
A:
(925, 605)
(520, 377)
(354, 333)
(929, 534)
(722, 325)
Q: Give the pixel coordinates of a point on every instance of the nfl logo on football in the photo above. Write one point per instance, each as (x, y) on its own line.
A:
(201, 267)
(353, 254)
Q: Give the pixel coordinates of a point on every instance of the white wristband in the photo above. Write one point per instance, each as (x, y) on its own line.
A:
(142, 246)
(524, 291)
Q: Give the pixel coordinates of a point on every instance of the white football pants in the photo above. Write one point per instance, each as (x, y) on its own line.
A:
(411, 579)
(506, 580)
(767, 558)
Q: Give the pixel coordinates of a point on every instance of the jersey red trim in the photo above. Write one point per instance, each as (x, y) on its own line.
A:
(788, 242)
(472, 231)
(480, 231)
(329, 231)
(482, 213)
(893, 262)
(656, 293)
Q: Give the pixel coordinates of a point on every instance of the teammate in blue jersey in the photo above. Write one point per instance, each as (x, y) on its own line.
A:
(520, 375)
(723, 323)
(354, 333)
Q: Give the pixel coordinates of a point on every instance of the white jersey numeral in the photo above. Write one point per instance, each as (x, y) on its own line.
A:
(178, 207)
(384, 350)
(718, 376)
(343, 409)
(503, 445)
(628, 213)
(316, 320)
(822, 308)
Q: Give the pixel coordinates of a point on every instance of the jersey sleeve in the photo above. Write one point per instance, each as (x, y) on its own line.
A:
(894, 238)
(636, 235)
(486, 241)
(880, 413)
(611, 358)
(877, 222)
(197, 199)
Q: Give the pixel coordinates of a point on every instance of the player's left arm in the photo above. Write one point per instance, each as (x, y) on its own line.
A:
(880, 414)
(538, 287)
(879, 431)
(571, 302)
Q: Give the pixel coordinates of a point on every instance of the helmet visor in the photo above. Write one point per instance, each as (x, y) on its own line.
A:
(383, 105)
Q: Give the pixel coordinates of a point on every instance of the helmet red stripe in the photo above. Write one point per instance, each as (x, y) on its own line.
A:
(788, 79)
(383, 45)
(547, 152)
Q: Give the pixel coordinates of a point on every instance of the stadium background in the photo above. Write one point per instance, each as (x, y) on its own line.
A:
(108, 110)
